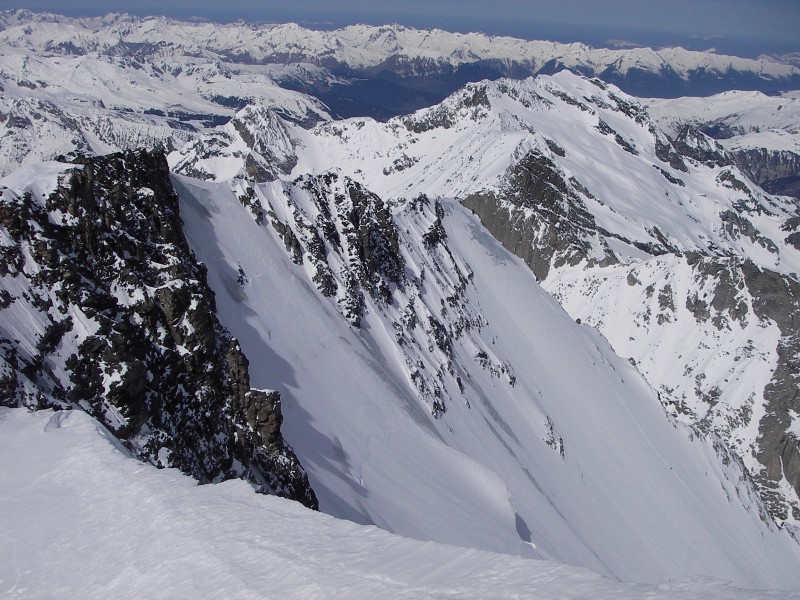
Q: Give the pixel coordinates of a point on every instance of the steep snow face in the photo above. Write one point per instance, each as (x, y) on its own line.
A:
(432, 388)
(79, 515)
(685, 266)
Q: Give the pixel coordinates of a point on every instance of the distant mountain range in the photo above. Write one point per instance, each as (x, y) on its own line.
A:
(384, 71)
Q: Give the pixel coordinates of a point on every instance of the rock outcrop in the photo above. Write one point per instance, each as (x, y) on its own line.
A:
(122, 324)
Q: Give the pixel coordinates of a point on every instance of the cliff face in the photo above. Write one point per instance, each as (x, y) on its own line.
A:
(776, 171)
(106, 309)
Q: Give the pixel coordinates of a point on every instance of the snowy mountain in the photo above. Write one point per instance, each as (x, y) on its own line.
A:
(666, 248)
(56, 103)
(761, 133)
(428, 384)
(377, 71)
(284, 289)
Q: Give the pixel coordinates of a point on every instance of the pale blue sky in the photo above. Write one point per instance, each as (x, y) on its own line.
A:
(745, 26)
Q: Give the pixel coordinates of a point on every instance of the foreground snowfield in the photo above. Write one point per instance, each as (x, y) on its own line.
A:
(80, 518)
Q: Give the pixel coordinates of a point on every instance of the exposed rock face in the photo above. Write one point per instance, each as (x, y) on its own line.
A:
(348, 235)
(778, 298)
(539, 215)
(694, 144)
(256, 142)
(778, 172)
(126, 327)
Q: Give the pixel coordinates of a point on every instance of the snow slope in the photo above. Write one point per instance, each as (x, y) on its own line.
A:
(553, 438)
(81, 518)
(669, 255)
(762, 133)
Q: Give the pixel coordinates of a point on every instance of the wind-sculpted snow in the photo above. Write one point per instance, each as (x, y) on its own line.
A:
(79, 517)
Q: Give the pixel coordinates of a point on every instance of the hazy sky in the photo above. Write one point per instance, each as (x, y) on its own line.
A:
(743, 26)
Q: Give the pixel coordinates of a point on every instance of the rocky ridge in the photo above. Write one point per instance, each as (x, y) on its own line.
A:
(106, 310)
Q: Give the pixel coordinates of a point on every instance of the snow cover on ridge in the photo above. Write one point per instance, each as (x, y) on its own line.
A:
(80, 517)
(743, 119)
(56, 104)
(596, 135)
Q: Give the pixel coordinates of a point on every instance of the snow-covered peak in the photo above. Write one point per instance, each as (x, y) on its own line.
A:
(598, 140)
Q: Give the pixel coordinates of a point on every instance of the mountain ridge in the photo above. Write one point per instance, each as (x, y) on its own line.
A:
(573, 176)
(391, 70)
(426, 377)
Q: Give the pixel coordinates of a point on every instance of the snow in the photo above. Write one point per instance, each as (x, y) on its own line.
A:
(100, 103)
(556, 448)
(629, 195)
(357, 46)
(755, 120)
(634, 496)
(671, 348)
(80, 518)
